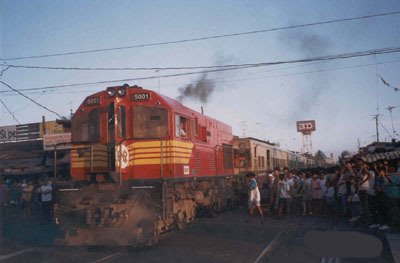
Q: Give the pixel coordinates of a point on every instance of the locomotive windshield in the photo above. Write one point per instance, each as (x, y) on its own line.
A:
(85, 127)
(149, 122)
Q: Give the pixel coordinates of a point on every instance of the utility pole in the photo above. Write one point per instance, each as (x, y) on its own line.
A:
(70, 109)
(390, 109)
(376, 126)
(243, 124)
(377, 100)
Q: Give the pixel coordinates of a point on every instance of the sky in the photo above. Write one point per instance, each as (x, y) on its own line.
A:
(262, 102)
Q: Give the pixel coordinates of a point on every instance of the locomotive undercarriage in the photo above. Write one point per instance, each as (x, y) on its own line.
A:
(137, 212)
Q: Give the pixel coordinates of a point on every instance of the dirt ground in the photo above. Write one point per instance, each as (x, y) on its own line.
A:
(226, 238)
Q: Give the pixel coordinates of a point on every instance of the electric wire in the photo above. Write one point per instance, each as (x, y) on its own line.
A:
(201, 38)
(216, 79)
(23, 95)
(228, 66)
(231, 67)
(385, 128)
(9, 111)
(28, 104)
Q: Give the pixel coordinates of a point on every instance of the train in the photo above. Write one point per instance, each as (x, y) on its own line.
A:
(260, 157)
(142, 163)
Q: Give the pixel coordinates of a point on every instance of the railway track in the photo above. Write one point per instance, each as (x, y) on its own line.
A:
(272, 245)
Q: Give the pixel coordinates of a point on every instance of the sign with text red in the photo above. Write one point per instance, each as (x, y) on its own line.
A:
(51, 140)
(305, 126)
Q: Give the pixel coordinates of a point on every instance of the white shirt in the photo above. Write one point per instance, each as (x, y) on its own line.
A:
(284, 189)
(342, 188)
(371, 183)
(290, 182)
(46, 191)
(363, 186)
(330, 192)
(322, 183)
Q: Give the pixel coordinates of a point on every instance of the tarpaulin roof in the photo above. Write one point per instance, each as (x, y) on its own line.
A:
(393, 155)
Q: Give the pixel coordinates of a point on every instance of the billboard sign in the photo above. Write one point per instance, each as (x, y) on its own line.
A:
(50, 127)
(51, 140)
(8, 133)
(305, 126)
(28, 132)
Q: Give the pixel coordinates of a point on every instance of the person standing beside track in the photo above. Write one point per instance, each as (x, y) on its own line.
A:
(306, 199)
(382, 202)
(343, 193)
(316, 194)
(254, 196)
(26, 198)
(274, 189)
(283, 196)
(364, 176)
(46, 191)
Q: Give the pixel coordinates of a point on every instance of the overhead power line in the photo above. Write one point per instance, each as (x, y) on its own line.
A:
(216, 79)
(23, 95)
(9, 111)
(117, 69)
(385, 129)
(227, 67)
(200, 38)
(232, 67)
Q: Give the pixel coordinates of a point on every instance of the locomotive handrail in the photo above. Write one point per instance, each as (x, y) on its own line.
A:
(71, 143)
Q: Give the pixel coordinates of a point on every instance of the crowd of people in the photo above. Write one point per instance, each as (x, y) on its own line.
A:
(362, 193)
(27, 199)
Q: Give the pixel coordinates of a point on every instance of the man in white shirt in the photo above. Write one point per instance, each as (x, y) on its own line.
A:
(46, 191)
(363, 175)
(283, 195)
(342, 188)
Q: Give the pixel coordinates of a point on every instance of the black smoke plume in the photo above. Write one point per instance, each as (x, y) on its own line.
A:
(309, 43)
(200, 90)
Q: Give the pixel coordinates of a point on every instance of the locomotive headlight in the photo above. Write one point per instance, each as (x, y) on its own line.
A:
(111, 93)
(121, 92)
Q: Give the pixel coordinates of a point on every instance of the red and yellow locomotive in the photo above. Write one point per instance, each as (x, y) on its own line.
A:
(140, 163)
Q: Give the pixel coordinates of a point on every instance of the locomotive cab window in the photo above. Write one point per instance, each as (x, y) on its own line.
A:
(149, 122)
(86, 127)
(181, 127)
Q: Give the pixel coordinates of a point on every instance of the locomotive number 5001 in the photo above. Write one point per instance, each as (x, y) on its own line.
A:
(140, 96)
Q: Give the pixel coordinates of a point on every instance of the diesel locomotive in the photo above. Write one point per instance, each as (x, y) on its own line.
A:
(141, 164)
